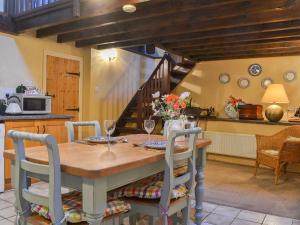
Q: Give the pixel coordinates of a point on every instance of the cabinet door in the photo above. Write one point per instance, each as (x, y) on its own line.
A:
(26, 126)
(56, 128)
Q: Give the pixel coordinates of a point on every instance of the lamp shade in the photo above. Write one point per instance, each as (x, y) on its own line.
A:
(275, 93)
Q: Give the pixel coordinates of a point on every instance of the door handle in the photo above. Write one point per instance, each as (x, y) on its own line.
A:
(74, 110)
(44, 129)
(38, 129)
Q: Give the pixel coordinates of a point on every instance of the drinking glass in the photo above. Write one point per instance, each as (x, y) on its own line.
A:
(109, 126)
(149, 127)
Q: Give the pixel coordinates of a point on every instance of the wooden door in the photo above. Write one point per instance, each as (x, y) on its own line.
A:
(63, 85)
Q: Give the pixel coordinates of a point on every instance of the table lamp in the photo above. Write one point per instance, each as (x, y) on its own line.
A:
(275, 94)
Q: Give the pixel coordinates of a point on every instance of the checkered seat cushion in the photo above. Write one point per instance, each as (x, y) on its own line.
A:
(150, 187)
(72, 206)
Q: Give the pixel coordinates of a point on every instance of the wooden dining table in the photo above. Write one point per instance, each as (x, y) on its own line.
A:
(95, 170)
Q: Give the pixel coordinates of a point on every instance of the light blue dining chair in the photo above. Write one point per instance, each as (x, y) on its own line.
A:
(166, 207)
(53, 199)
(71, 125)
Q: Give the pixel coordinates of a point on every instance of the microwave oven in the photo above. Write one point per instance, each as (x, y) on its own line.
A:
(35, 104)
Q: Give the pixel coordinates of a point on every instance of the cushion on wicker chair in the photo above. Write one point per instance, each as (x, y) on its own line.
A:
(72, 206)
(295, 139)
(271, 152)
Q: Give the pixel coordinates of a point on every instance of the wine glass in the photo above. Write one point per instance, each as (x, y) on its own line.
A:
(109, 126)
(149, 127)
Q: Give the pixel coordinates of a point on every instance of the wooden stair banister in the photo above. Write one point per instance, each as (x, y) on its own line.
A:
(158, 81)
(165, 77)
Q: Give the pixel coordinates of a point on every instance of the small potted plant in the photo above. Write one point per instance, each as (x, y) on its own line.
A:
(232, 107)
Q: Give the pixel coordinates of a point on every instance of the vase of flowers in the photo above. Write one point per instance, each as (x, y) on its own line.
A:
(171, 108)
(232, 107)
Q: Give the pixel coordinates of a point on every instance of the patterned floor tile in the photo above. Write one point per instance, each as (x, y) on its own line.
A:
(251, 216)
(7, 212)
(276, 220)
(217, 219)
(243, 222)
(227, 211)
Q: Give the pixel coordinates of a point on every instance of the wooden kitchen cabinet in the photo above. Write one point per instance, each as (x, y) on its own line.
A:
(56, 127)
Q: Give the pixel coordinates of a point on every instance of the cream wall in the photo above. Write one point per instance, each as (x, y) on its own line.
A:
(22, 61)
(114, 83)
(207, 91)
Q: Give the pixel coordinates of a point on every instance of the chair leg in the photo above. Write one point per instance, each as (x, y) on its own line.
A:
(285, 167)
(277, 174)
(256, 168)
(186, 215)
(132, 219)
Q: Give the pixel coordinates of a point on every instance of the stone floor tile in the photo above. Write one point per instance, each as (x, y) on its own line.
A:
(217, 219)
(12, 219)
(243, 222)
(5, 204)
(7, 212)
(209, 207)
(8, 196)
(277, 220)
(251, 216)
(6, 222)
(227, 211)
(296, 222)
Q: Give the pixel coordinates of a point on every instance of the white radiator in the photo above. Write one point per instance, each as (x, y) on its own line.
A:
(240, 145)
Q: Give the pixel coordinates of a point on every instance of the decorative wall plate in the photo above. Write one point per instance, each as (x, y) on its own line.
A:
(289, 76)
(255, 69)
(243, 83)
(266, 82)
(224, 78)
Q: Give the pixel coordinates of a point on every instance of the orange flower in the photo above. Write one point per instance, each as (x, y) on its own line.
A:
(183, 105)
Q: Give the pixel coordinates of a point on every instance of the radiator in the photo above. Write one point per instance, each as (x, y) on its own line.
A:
(232, 144)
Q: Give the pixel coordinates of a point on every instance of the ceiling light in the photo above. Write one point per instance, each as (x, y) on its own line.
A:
(129, 8)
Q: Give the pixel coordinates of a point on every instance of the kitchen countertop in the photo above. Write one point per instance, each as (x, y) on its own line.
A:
(282, 123)
(4, 118)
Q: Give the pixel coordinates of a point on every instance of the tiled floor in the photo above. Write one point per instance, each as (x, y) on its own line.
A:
(213, 214)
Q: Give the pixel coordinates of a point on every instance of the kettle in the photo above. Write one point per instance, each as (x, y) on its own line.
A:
(13, 108)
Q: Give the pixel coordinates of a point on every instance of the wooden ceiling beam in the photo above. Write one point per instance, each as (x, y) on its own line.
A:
(144, 10)
(66, 10)
(241, 48)
(257, 53)
(230, 57)
(238, 38)
(177, 21)
(163, 35)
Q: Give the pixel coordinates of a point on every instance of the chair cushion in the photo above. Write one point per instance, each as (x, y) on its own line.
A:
(295, 139)
(271, 152)
(72, 206)
(150, 187)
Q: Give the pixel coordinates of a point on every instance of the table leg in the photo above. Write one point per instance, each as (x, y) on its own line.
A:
(94, 199)
(199, 189)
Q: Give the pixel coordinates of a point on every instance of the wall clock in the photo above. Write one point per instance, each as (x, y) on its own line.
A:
(289, 76)
(243, 83)
(266, 82)
(224, 78)
(255, 69)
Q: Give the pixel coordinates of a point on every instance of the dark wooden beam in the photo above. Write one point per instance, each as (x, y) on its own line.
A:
(176, 21)
(6, 24)
(65, 10)
(241, 48)
(145, 10)
(238, 38)
(169, 33)
(248, 54)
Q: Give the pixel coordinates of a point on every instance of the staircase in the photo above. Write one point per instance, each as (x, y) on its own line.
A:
(165, 78)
